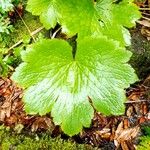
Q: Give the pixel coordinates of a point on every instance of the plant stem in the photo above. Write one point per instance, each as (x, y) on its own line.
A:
(144, 8)
(137, 101)
(145, 13)
(32, 33)
(25, 25)
(54, 34)
(146, 18)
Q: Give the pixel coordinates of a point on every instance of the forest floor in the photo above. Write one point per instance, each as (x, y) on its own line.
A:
(105, 132)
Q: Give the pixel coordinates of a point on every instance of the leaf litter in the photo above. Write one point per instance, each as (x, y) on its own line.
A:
(106, 132)
(145, 20)
(12, 110)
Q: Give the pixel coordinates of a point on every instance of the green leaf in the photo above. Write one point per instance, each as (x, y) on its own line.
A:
(56, 82)
(116, 32)
(49, 17)
(38, 6)
(126, 13)
(46, 10)
(6, 6)
(104, 8)
(115, 17)
(74, 16)
(83, 17)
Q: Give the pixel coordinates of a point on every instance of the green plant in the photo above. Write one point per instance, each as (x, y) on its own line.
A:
(10, 140)
(6, 28)
(71, 79)
(145, 139)
(3, 67)
(144, 144)
(7, 5)
(9, 60)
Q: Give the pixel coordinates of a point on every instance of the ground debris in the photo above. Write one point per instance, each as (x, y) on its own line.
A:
(12, 110)
(145, 19)
(121, 132)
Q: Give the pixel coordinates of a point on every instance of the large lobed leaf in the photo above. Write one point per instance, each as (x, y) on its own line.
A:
(87, 17)
(71, 88)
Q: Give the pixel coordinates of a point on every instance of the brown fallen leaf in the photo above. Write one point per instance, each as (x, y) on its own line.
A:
(145, 23)
(104, 133)
(145, 31)
(11, 120)
(124, 145)
(142, 120)
(125, 134)
(126, 124)
(129, 111)
(2, 115)
(42, 123)
(122, 134)
(144, 108)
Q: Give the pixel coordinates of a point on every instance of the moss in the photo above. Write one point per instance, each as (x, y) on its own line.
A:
(144, 144)
(13, 141)
(145, 139)
(20, 31)
(10, 59)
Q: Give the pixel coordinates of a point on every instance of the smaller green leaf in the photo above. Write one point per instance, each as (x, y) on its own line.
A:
(6, 6)
(38, 6)
(49, 17)
(126, 13)
(104, 8)
(46, 10)
(117, 32)
(115, 17)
